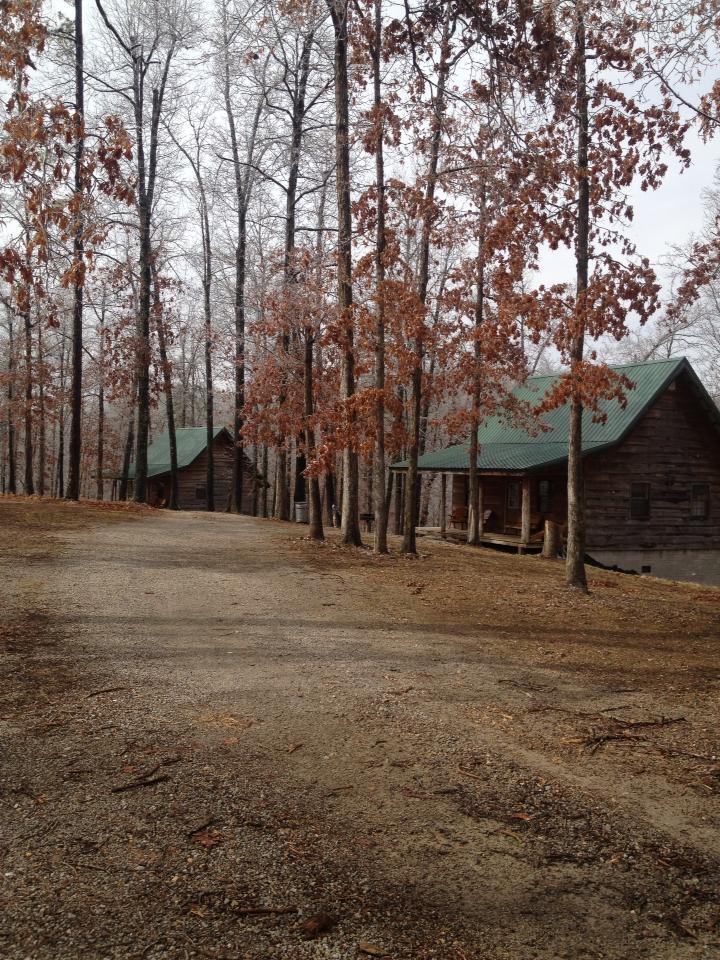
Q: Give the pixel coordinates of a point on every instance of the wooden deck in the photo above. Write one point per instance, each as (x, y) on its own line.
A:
(505, 540)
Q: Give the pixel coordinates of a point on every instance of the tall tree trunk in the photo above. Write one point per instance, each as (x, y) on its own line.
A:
(399, 494)
(12, 452)
(298, 96)
(254, 505)
(243, 185)
(100, 492)
(313, 482)
(350, 524)
(380, 502)
(142, 331)
(129, 444)
(281, 498)
(239, 456)
(75, 450)
(167, 389)
(416, 383)
(209, 399)
(42, 434)
(100, 459)
(60, 466)
(183, 404)
(145, 193)
(473, 477)
(29, 483)
(264, 481)
(575, 563)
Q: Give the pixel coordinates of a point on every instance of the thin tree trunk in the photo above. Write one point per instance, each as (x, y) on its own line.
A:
(400, 484)
(575, 563)
(29, 483)
(100, 459)
(209, 399)
(350, 525)
(275, 487)
(145, 192)
(101, 442)
(380, 503)
(313, 482)
(416, 383)
(243, 184)
(264, 479)
(75, 450)
(60, 466)
(473, 478)
(167, 389)
(129, 444)
(12, 460)
(42, 439)
(205, 235)
(142, 331)
(239, 457)
(254, 505)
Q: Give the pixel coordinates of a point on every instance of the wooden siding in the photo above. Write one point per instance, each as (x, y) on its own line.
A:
(673, 446)
(194, 476)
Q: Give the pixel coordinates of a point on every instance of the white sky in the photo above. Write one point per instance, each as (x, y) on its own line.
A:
(663, 217)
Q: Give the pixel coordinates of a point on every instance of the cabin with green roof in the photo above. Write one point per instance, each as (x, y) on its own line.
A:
(652, 475)
(191, 443)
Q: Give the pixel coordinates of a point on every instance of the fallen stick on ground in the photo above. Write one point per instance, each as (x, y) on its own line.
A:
(96, 693)
(660, 722)
(260, 911)
(145, 780)
(136, 784)
(466, 773)
(595, 742)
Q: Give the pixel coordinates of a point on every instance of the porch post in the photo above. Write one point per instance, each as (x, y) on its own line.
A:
(443, 504)
(480, 507)
(525, 515)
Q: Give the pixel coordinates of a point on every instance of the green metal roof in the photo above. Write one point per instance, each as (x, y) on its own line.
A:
(190, 442)
(509, 448)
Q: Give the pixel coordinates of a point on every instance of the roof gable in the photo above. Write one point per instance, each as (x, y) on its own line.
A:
(504, 447)
(190, 443)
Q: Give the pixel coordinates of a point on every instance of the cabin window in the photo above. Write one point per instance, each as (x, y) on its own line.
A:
(513, 495)
(545, 496)
(639, 501)
(700, 501)
(201, 493)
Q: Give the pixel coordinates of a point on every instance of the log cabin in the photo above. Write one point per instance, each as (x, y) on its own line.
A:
(652, 476)
(192, 458)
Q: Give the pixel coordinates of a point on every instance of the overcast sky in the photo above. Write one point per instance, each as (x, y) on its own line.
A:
(663, 217)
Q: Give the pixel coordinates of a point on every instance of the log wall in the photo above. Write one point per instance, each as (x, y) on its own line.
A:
(191, 478)
(672, 447)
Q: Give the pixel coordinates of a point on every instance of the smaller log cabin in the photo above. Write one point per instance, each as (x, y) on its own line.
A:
(652, 476)
(192, 458)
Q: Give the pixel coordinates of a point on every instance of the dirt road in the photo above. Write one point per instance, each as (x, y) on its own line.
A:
(212, 732)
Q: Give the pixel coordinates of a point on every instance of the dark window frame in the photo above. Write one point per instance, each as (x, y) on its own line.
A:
(701, 501)
(640, 501)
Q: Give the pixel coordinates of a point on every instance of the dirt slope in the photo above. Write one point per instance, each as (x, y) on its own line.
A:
(204, 717)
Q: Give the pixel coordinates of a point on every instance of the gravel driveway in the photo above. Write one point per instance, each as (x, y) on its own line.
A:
(214, 737)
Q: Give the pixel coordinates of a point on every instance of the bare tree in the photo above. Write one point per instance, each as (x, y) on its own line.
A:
(147, 40)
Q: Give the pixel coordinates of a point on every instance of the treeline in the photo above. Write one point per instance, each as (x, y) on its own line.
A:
(321, 222)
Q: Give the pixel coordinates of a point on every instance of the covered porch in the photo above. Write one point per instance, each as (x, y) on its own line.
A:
(513, 508)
